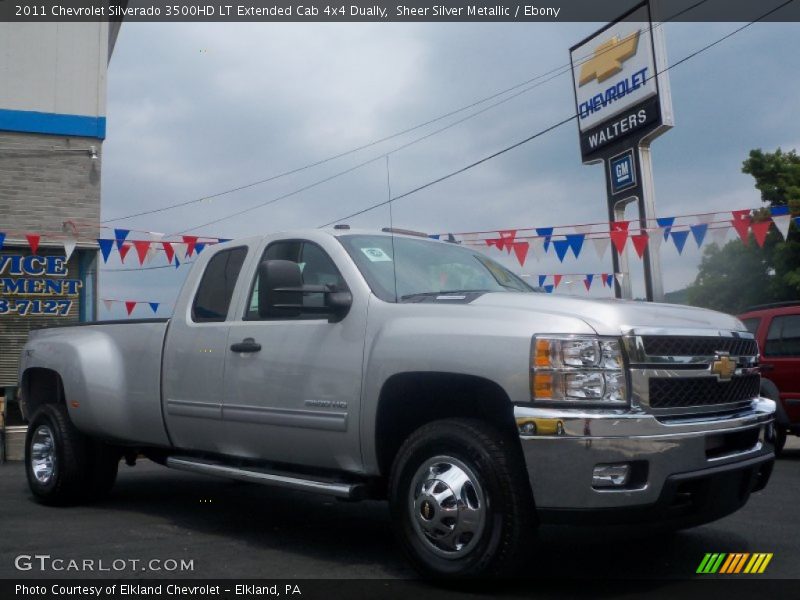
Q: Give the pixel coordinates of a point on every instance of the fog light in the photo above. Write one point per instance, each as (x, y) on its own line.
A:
(605, 476)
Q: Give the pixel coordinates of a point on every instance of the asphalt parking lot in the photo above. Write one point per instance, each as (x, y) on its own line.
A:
(236, 530)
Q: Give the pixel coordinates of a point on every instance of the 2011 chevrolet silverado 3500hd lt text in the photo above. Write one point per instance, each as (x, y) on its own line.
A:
(370, 365)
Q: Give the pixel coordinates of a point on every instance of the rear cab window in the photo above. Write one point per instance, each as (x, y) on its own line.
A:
(213, 297)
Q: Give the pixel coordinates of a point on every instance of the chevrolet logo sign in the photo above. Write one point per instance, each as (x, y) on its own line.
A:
(608, 58)
(723, 367)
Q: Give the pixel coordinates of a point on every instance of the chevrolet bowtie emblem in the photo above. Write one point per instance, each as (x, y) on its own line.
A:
(608, 58)
(723, 367)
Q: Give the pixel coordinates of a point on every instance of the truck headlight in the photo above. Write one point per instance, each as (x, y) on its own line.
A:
(578, 369)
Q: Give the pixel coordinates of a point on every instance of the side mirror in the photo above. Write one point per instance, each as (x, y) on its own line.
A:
(280, 285)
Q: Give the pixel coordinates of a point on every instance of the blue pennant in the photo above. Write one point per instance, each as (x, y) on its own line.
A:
(548, 289)
(2, 239)
(679, 238)
(223, 240)
(590, 278)
(542, 279)
(610, 280)
(433, 236)
(105, 248)
(177, 262)
(561, 247)
(576, 242)
(666, 223)
(199, 247)
(778, 211)
(154, 306)
(699, 233)
(547, 232)
(120, 235)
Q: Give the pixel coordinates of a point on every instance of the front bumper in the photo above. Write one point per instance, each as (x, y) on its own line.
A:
(690, 469)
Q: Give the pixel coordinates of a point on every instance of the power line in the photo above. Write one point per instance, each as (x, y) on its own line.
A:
(548, 129)
(558, 71)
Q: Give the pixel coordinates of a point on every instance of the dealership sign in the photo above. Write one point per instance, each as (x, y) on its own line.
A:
(36, 285)
(619, 93)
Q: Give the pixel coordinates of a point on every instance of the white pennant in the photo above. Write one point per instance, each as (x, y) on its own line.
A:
(107, 304)
(537, 248)
(782, 223)
(180, 249)
(655, 238)
(706, 219)
(69, 248)
(718, 234)
(154, 248)
(583, 229)
(601, 245)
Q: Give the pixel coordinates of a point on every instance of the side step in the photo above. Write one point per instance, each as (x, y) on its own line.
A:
(340, 489)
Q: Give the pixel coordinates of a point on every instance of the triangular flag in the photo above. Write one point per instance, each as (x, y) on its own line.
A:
(180, 249)
(719, 234)
(742, 214)
(542, 279)
(603, 277)
(576, 242)
(548, 289)
(142, 246)
(223, 240)
(610, 279)
(601, 245)
(557, 279)
(120, 235)
(588, 281)
(545, 232)
(507, 239)
(199, 247)
(706, 218)
(33, 241)
(154, 306)
(639, 243)
(699, 233)
(494, 242)
(69, 248)
(619, 237)
(129, 306)
(108, 303)
(797, 221)
(170, 253)
(742, 227)
(177, 262)
(583, 228)
(521, 251)
(123, 251)
(760, 231)
(655, 239)
(105, 248)
(190, 241)
(777, 211)
(154, 245)
(666, 224)
(2, 239)
(537, 248)
(561, 247)
(679, 239)
(782, 223)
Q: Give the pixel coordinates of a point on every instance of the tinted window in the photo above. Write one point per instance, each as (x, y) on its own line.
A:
(752, 324)
(315, 265)
(783, 337)
(216, 287)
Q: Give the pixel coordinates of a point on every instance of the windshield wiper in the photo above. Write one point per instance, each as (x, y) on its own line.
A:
(441, 293)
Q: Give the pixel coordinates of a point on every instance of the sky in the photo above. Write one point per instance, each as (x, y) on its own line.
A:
(195, 109)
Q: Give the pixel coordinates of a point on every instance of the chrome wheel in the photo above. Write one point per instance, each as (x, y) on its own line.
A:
(43, 454)
(447, 506)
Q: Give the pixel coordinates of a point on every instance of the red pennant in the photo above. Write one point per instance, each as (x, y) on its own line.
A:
(739, 215)
(33, 241)
(556, 280)
(619, 238)
(521, 250)
(123, 250)
(142, 246)
(129, 304)
(620, 225)
(760, 231)
(168, 251)
(507, 239)
(190, 241)
(639, 243)
(603, 277)
(587, 284)
(742, 226)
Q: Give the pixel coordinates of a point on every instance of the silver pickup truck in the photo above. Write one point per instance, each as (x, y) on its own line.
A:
(378, 365)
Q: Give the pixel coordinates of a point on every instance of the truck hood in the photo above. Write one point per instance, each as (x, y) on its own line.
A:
(612, 316)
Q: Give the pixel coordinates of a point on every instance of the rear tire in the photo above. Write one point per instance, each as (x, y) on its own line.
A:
(63, 466)
(460, 500)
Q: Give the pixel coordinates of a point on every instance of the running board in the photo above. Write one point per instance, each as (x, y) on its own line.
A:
(340, 489)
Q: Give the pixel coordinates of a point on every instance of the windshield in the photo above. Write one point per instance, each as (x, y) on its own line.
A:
(425, 267)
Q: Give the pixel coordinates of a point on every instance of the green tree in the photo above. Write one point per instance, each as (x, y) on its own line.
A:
(736, 276)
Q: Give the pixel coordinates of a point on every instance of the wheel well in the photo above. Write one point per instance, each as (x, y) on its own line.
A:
(41, 386)
(410, 400)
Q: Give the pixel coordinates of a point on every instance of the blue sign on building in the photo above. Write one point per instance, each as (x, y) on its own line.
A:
(622, 171)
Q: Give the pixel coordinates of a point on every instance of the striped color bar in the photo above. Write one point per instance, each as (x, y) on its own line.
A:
(734, 563)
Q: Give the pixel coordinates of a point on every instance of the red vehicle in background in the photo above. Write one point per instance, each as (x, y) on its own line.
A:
(777, 330)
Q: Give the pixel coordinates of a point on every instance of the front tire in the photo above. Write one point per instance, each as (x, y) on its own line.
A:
(460, 501)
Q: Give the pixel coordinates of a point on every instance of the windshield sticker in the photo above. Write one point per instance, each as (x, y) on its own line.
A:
(376, 255)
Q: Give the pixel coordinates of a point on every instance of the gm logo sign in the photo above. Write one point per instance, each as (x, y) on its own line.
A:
(622, 171)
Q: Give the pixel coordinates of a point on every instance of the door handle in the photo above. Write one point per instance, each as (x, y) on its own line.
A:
(246, 345)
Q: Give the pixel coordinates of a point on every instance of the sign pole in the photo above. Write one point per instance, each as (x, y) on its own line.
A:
(654, 283)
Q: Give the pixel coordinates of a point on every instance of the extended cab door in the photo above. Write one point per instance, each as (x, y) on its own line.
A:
(195, 351)
(293, 394)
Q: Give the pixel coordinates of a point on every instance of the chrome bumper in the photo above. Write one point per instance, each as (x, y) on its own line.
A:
(568, 444)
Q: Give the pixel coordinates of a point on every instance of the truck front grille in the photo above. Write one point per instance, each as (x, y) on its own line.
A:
(662, 345)
(682, 392)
